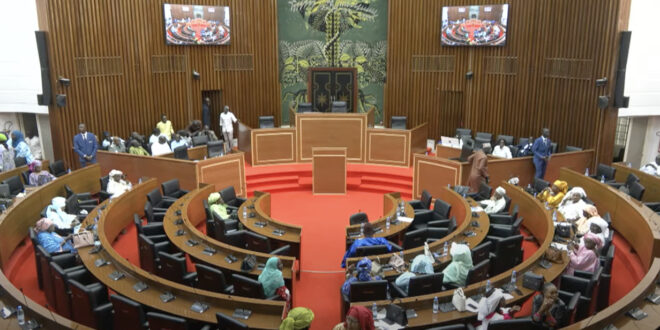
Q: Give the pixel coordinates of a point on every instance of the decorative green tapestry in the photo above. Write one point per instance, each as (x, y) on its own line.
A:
(333, 33)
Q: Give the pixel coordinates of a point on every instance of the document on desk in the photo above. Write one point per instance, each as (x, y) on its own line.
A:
(559, 246)
(476, 209)
(380, 324)
(405, 219)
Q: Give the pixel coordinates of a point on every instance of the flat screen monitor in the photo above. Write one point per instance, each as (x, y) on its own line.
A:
(196, 25)
(474, 25)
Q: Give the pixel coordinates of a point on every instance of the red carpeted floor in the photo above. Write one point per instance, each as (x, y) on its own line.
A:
(324, 219)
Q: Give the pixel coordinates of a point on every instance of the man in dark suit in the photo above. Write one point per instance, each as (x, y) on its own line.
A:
(542, 148)
(85, 145)
(206, 112)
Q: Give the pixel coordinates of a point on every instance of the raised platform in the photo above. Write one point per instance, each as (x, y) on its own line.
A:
(360, 177)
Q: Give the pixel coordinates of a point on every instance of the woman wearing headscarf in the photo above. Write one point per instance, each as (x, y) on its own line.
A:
(48, 239)
(357, 318)
(421, 265)
(492, 308)
(271, 277)
(572, 206)
(298, 318)
(599, 227)
(21, 148)
(57, 215)
(217, 205)
(39, 176)
(7, 154)
(554, 195)
(548, 310)
(363, 274)
(137, 149)
(585, 257)
(588, 212)
(461, 262)
(117, 184)
(496, 203)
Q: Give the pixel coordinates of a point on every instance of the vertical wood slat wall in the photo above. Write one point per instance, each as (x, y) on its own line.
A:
(544, 76)
(123, 75)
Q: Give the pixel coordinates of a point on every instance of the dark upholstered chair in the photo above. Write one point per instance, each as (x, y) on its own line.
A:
(250, 288)
(152, 215)
(398, 122)
(56, 168)
(304, 107)
(173, 268)
(200, 140)
(266, 121)
(158, 201)
(358, 218)
(424, 203)
(15, 185)
(128, 314)
(229, 323)
(92, 307)
(172, 189)
(229, 196)
(165, 321)
(181, 152)
(211, 279)
(215, 148)
(339, 106)
(149, 249)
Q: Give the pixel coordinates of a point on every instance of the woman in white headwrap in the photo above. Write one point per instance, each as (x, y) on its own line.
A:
(572, 206)
(599, 227)
(56, 214)
(461, 262)
(492, 308)
(496, 203)
(117, 184)
(421, 265)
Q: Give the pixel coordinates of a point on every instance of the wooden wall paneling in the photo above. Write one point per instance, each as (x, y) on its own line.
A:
(431, 173)
(133, 99)
(222, 172)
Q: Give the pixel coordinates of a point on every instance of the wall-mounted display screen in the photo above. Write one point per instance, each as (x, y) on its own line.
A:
(474, 25)
(196, 25)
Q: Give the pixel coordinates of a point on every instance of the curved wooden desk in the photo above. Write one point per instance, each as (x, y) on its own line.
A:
(193, 214)
(640, 226)
(461, 210)
(651, 183)
(537, 220)
(260, 206)
(119, 214)
(396, 231)
(13, 229)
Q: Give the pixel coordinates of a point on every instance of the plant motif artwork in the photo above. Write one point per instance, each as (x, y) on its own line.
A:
(333, 33)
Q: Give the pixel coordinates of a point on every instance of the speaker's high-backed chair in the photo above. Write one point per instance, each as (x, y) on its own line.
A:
(304, 107)
(339, 106)
(266, 121)
(461, 132)
(398, 122)
(181, 152)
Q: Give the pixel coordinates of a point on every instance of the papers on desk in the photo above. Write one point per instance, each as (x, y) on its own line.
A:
(405, 219)
(559, 246)
(380, 323)
(476, 209)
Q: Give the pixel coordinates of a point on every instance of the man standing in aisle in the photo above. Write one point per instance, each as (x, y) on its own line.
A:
(227, 121)
(206, 112)
(165, 127)
(542, 148)
(85, 145)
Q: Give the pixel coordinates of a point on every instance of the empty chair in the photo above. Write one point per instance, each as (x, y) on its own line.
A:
(148, 250)
(425, 284)
(92, 306)
(215, 148)
(358, 218)
(171, 189)
(62, 268)
(260, 243)
(636, 191)
(414, 238)
(572, 284)
(424, 203)
(229, 196)
(507, 253)
(181, 152)
(398, 122)
(508, 140)
(421, 220)
(553, 147)
(481, 252)
(128, 314)
(482, 138)
(211, 279)
(605, 172)
(523, 141)
(478, 273)
(368, 291)
(304, 107)
(339, 106)
(441, 209)
(152, 215)
(173, 268)
(572, 148)
(500, 230)
(229, 323)
(461, 132)
(15, 185)
(56, 168)
(158, 201)
(539, 185)
(266, 121)
(484, 192)
(200, 140)
(165, 321)
(250, 288)
(629, 181)
(150, 229)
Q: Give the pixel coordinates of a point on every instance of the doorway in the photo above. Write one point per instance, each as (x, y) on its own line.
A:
(215, 108)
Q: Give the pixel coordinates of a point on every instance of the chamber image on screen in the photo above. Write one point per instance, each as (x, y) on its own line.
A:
(196, 25)
(474, 25)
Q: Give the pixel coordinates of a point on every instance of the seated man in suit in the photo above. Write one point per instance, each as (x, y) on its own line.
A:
(526, 149)
(368, 240)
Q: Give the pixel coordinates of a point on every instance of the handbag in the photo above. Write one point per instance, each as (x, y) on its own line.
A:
(396, 314)
(458, 300)
(397, 262)
(83, 239)
(249, 262)
(533, 281)
(563, 230)
(376, 267)
(553, 255)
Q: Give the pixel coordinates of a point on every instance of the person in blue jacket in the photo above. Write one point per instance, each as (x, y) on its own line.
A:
(542, 148)
(85, 145)
(368, 240)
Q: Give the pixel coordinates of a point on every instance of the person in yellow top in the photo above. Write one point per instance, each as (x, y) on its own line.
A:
(165, 127)
(217, 205)
(136, 149)
(553, 195)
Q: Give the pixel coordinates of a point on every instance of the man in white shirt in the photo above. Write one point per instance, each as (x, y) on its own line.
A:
(652, 168)
(117, 184)
(227, 121)
(161, 147)
(501, 150)
(496, 203)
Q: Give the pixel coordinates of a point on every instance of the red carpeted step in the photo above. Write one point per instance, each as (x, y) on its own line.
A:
(271, 179)
(403, 182)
